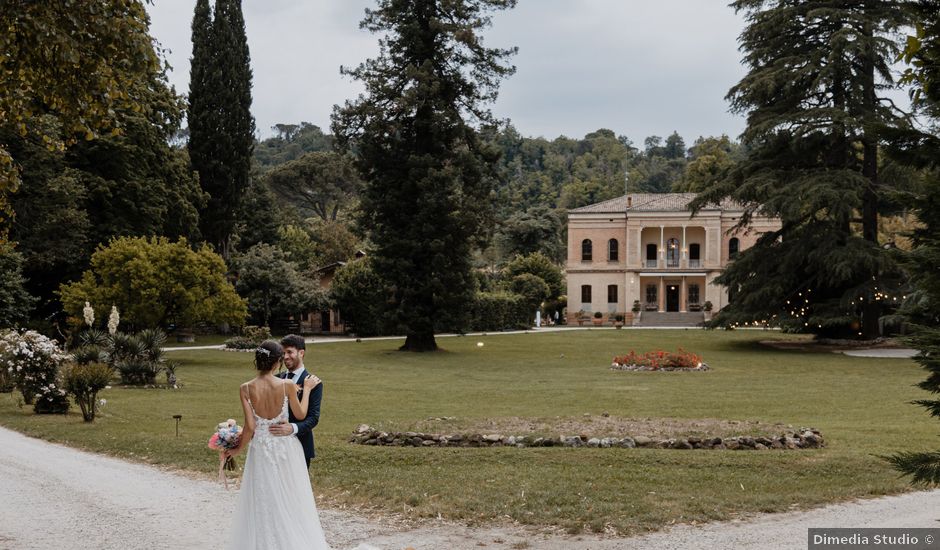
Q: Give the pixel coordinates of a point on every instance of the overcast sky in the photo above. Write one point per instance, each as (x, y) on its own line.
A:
(637, 67)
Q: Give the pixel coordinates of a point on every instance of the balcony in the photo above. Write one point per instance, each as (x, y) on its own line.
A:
(651, 264)
(695, 264)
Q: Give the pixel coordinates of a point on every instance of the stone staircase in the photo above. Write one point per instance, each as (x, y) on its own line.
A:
(657, 319)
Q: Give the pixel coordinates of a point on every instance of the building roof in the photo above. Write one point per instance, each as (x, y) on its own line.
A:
(649, 202)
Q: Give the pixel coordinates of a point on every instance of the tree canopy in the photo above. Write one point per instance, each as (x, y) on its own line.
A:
(155, 282)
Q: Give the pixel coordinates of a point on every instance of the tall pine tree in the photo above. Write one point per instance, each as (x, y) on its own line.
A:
(221, 128)
(428, 173)
(814, 109)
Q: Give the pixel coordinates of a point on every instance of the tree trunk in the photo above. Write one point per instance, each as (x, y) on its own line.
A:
(419, 342)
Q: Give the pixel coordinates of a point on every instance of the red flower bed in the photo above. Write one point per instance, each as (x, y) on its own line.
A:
(655, 360)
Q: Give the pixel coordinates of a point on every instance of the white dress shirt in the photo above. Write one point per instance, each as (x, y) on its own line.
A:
(294, 376)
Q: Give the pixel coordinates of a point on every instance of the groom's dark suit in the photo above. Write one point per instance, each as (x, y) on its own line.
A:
(305, 426)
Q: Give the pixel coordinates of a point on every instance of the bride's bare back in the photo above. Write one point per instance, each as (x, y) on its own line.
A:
(267, 393)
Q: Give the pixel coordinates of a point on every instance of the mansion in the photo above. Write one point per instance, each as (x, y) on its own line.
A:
(647, 247)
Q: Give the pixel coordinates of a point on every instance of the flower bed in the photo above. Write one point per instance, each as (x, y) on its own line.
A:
(659, 361)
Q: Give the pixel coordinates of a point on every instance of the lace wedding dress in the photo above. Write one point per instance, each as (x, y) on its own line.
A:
(275, 508)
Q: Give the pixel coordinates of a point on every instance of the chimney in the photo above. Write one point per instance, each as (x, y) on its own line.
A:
(629, 201)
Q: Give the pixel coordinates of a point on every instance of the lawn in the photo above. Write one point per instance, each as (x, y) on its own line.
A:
(860, 405)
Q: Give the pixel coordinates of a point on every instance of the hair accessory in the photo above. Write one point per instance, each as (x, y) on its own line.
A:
(264, 351)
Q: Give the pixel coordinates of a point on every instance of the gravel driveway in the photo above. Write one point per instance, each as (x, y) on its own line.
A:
(54, 497)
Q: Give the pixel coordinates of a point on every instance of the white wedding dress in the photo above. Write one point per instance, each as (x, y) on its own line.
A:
(275, 508)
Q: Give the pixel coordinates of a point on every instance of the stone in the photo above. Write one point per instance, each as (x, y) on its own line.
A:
(681, 444)
(363, 428)
(511, 440)
(416, 441)
(627, 443)
(492, 438)
(573, 441)
(594, 442)
(642, 441)
(429, 443)
(371, 442)
(605, 443)
(760, 447)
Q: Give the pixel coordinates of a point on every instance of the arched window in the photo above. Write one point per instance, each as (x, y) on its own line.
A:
(672, 253)
(613, 253)
(651, 255)
(733, 245)
(586, 250)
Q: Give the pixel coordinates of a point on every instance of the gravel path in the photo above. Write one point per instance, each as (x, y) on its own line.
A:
(53, 496)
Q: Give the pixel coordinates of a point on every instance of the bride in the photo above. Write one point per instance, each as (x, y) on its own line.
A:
(275, 507)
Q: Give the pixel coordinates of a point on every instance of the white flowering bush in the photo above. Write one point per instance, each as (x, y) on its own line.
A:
(33, 361)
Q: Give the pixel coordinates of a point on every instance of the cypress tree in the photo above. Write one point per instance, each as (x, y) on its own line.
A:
(814, 118)
(221, 126)
(428, 173)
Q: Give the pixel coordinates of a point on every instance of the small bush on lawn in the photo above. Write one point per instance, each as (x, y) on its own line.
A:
(84, 382)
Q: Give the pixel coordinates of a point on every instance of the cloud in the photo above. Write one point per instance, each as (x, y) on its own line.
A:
(639, 68)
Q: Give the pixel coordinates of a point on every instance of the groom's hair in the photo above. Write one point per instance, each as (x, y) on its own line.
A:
(294, 341)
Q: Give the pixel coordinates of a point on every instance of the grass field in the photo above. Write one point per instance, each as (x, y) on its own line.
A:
(860, 405)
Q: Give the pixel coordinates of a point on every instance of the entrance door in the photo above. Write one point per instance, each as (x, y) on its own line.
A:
(325, 321)
(672, 297)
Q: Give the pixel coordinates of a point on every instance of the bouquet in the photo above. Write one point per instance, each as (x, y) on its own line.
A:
(226, 437)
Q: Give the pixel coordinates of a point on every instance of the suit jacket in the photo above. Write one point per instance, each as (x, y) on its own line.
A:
(305, 425)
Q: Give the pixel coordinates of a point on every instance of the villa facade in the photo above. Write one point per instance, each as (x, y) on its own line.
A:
(648, 247)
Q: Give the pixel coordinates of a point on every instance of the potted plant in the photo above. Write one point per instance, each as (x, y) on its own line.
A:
(598, 318)
(581, 317)
(636, 311)
(707, 308)
(618, 321)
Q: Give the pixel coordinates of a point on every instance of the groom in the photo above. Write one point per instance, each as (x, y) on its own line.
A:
(294, 350)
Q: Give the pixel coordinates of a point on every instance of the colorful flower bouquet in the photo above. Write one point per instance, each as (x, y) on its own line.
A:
(225, 438)
(659, 360)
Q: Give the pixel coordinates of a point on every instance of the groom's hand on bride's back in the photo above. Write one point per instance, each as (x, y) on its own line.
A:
(283, 428)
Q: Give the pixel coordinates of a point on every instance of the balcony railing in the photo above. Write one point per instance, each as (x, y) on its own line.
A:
(652, 263)
(695, 263)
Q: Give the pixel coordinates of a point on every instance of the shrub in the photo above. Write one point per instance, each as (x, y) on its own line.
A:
(251, 337)
(240, 342)
(33, 361)
(84, 381)
(707, 306)
(636, 306)
(256, 334)
(619, 317)
(598, 315)
(500, 310)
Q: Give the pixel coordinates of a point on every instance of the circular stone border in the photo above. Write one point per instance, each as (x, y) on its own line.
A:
(804, 438)
(642, 368)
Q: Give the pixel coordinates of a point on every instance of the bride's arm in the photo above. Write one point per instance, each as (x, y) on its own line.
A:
(248, 431)
(299, 406)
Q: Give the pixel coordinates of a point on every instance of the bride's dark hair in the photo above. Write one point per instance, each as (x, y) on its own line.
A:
(267, 355)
